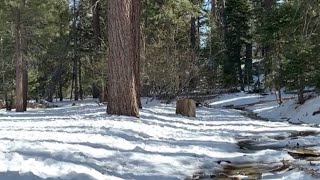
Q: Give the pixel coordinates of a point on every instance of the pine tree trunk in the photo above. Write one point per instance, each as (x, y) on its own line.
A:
(267, 48)
(230, 62)
(8, 102)
(248, 64)
(60, 90)
(25, 86)
(75, 53)
(95, 91)
(96, 22)
(75, 76)
(280, 95)
(301, 99)
(20, 64)
(135, 18)
(80, 81)
(193, 34)
(213, 59)
(103, 97)
(122, 95)
(97, 36)
(238, 63)
(194, 48)
(72, 85)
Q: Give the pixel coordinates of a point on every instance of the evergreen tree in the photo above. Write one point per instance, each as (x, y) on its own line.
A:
(237, 14)
(122, 57)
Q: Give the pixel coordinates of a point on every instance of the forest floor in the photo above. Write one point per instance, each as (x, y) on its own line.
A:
(83, 142)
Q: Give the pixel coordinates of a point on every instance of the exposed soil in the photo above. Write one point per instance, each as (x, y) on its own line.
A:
(302, 155)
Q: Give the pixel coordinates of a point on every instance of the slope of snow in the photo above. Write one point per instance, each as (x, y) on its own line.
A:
(83, 142)
(243, 98)
(290, 111)
(267, 107)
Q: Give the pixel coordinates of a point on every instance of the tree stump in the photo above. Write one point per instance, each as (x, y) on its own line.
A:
(186, 107)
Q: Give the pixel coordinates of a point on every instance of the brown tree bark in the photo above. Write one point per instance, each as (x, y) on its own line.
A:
(301, 99)
(122, 90)
(96, 22)
(61, 90)
(25, 86)
(79, 62)
(20, 64)
(80, 81)
(267, 48)
(72, 85)
(248, 64)
(97, 36)
(135, 27)
(194, 47)
(193, 34)
(213, 59)
(75, 53)
(75, 77)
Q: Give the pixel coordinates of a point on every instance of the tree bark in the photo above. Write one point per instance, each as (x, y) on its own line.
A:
(280, 95)
(238, 64)
(122, 89)
(96, 22)
(20, 64)
(97, 36)
(75, 76)
(72, 85)
(214, 59)
(25, 86)
(301, 99)
(194, 47)
(60, 90)
(80, 81)
(193, 34)
(248, 64)
(267, 48)
(75, 53)
(95, 91)
(135, 18)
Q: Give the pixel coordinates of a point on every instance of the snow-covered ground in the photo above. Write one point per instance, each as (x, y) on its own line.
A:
(83, 142)
(290, 111)
(242, 98)
(267, 107)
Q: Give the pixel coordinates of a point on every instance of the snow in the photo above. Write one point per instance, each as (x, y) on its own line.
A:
(292, 112)
(83, 142)
(242, 98)
(266, 106)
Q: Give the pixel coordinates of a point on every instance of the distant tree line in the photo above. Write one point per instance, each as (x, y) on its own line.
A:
(120, 50)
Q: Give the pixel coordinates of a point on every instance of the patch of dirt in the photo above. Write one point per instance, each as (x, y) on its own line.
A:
(249, 171)
(296, 135)
(304, 154)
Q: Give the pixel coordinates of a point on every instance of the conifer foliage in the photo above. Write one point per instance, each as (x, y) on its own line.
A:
(118, 50)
